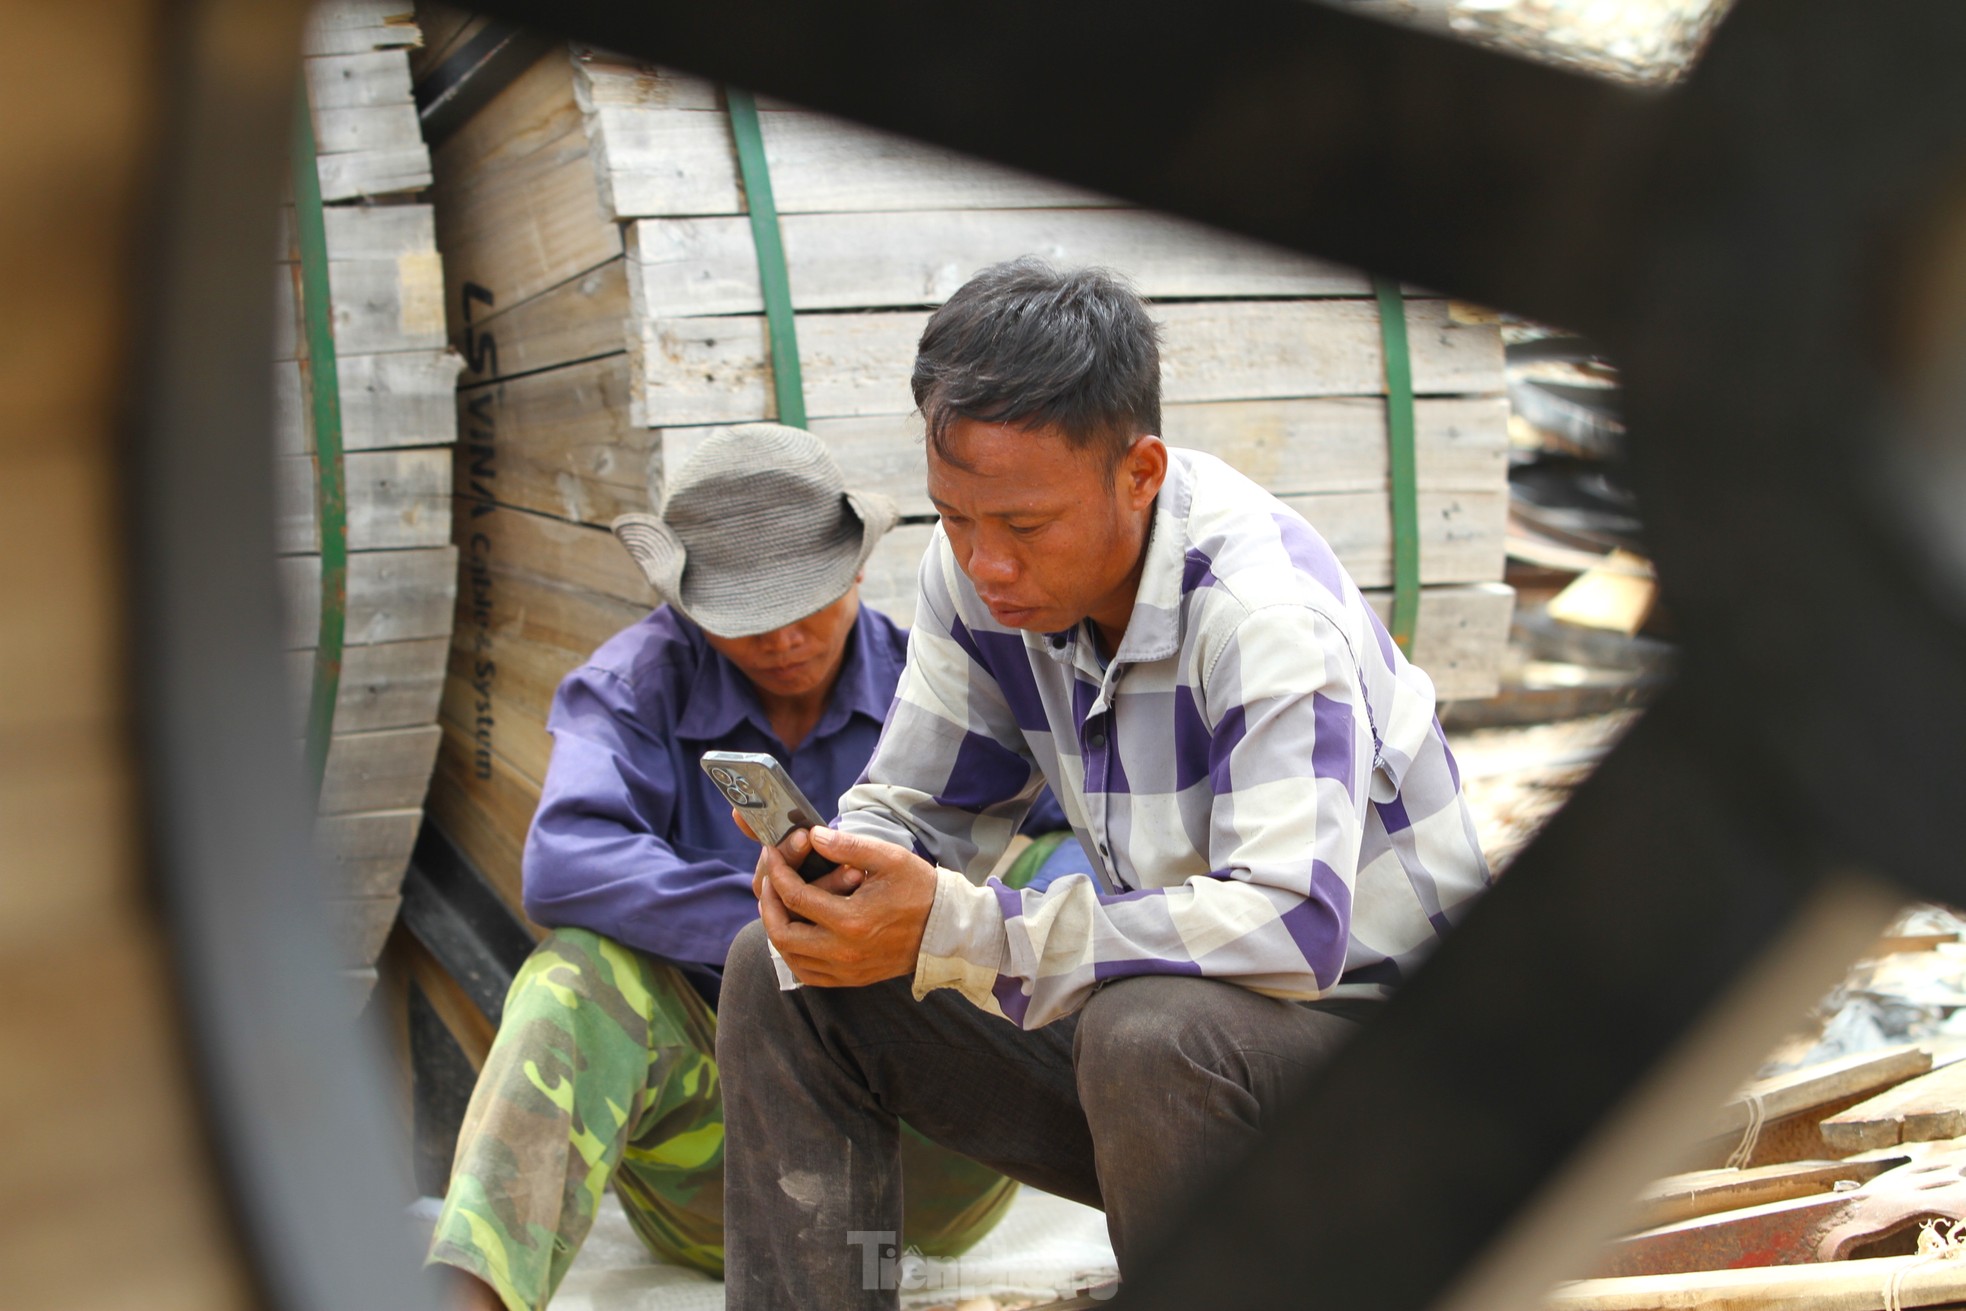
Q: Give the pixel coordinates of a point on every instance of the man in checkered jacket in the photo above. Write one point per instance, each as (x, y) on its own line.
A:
(1257, 771)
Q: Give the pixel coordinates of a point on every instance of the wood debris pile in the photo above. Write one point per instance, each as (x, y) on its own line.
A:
(1835, 1184)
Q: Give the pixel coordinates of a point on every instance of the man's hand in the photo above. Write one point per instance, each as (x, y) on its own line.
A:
(794, 849)
(834, 940)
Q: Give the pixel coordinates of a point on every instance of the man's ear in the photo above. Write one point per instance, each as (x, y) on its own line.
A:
(1142, 470)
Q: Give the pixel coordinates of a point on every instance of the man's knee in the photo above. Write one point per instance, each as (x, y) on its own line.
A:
(749, 964)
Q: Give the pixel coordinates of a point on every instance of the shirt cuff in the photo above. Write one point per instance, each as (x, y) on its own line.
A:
(962, 943)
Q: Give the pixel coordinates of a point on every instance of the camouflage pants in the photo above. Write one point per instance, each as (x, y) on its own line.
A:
(604, 1070)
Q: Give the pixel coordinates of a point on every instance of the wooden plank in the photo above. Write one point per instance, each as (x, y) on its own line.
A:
(353, 81)
(1458, 636)
(370, 129)
(388, 685)
(1833, 1286)
(405, 398)
(692, 266)
(604, 78)
(1699, 1193)
(582, 318)
(385, 232)
(485, 807)
(516, 733)
(393, 596)
(1813, 1086)
(566, 554)
(379, 306)
(657, 163)
(373, 173)
(710, 370)
(350, 27)
(364, 855)
(518, 636)
(1460, 534)
(396, 500)
(396, 399)
(518, 203)
(360, 925)
(386, 770)
(559, 443)
(1291, 447)
(1919, 1110)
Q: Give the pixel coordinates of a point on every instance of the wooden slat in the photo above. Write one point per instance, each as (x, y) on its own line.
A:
(393, 596)
(374, 173)
(876, 261)
(560, 443)
(354, 81)
(1814, 1086)
(582, 318)
(366, 122)
(396, 500)
(401, 399)
(714, 369)
(485, 807)
(518, 204)
(1707, 1192)
(1918, 1110)
(360, 925)
(380, 305)
(364, 855)
(350, 27)
(1291, 447)
(1832, 1286)
(515, 730)
(370, 129)
(385, 232)
(388, 685)
(386, 770)
(658, 163)
(602, 78)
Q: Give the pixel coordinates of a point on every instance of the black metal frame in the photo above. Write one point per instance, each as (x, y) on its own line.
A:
(1749, 246)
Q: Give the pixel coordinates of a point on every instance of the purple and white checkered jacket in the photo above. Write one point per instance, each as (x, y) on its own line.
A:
(1258, 774)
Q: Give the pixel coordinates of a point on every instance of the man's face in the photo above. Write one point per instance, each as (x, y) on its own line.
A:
(801, 657)
(1046, 533)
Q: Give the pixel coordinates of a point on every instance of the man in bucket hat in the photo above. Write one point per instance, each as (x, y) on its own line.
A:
(604, 1066)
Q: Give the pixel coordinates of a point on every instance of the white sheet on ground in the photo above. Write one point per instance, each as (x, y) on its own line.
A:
(1046, 1247)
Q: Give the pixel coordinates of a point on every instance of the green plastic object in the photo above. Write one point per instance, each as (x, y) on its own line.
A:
(1402, 463)
(331, 486)
(788, 385)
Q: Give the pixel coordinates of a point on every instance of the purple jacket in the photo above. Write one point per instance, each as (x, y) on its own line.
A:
(631, 839)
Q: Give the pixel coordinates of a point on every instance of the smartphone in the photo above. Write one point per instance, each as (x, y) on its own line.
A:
(771, 803)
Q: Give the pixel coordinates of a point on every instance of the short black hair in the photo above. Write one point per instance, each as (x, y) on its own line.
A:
(1025, 345)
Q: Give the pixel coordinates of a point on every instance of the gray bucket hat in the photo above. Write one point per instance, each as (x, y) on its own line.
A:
(758, 530)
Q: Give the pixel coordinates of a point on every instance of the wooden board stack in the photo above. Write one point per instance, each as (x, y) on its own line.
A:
(1816, 1190)
(602, 283)
(398, 377)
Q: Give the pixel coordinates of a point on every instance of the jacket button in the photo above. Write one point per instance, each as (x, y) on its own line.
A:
(1096, 741)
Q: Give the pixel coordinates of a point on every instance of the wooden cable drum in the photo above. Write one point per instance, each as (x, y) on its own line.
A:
(603, 281)
(388, 632)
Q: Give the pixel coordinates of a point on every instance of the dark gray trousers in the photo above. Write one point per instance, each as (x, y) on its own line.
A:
(1153, 1087)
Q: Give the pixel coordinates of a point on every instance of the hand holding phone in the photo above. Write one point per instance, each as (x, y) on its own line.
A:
(770, 802)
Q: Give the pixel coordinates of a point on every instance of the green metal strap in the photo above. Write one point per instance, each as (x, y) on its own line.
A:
(787, 382)
(331, 488)
(1401, 462)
